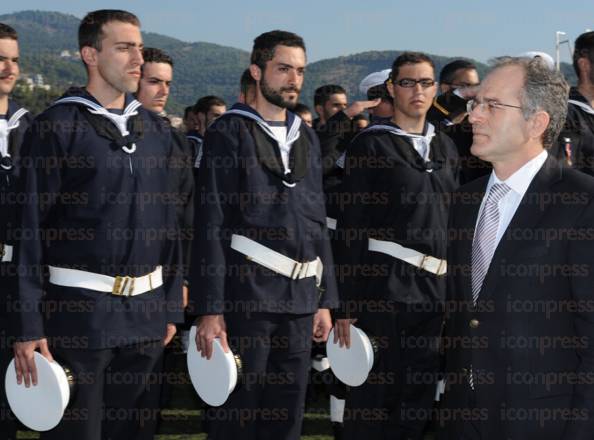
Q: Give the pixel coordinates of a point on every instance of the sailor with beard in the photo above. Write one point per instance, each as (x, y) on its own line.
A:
(103, 228)
(262, 278)
(14, 121)
(391, 248)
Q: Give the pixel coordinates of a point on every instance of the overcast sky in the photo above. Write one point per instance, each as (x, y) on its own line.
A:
(479, 29)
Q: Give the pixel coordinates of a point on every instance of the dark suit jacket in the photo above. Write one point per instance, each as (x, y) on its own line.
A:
(530, 337)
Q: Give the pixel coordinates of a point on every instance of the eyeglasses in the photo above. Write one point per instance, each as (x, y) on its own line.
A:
(409, 83)
(488, 104)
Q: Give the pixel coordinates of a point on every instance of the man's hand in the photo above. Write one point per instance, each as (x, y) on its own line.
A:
(24, 360)
(322, 324)
(171, 330)
(467, 92)
(209, 328)
(185, 295)
(342, 332)
(360, 106)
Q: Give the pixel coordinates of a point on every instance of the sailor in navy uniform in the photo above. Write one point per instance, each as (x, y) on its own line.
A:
(195, 139)
(391, 246)
(12, 128)
(14, 121)
(262, 275)
(153, 94)
(206, 110)
(575, 145)
(103, 227)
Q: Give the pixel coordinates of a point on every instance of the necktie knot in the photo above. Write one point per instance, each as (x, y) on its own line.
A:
(497, 192)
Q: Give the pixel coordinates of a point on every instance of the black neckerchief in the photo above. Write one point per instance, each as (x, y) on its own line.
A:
(268, 150)
(103, 126)
(436, 160)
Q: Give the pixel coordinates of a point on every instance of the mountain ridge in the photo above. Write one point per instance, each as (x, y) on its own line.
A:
(201, 68)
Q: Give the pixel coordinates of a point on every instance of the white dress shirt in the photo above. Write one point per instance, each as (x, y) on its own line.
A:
(519, 183)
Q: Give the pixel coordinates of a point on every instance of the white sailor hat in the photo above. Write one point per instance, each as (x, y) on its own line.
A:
(352, 365)
(214, 379)
(40, 407)
(374, 79)
(546, 58)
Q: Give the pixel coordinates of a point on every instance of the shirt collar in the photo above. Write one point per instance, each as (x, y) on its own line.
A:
(521, 179)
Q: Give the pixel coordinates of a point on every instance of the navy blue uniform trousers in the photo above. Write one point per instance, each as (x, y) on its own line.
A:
(269, 402)
(114, 397)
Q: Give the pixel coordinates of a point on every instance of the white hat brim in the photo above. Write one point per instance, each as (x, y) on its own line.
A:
(213, 379)
(39, 407)
(351, 365)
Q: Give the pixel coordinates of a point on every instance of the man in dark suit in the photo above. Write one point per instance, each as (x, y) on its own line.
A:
(519, 310)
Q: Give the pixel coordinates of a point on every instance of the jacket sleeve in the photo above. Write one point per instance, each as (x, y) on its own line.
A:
(328, 288)
(40, 186)
(185, 191)
(334, 136)
(217, 196)
(352, 226)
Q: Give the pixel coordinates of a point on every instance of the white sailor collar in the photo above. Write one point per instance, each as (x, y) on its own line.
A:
(120, 121)
(12, 121)
(293, 122)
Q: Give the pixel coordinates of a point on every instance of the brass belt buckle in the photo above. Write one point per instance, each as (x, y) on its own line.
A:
(120, 284)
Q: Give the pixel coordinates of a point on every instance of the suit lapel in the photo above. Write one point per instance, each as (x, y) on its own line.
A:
(530, 212)
(467, 216)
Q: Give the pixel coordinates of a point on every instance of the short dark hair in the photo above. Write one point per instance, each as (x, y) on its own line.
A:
(448, 72)
(189, 109)
(323, 93)
(8, 32)
(379, 91)
(154, 55)
(265, 44)
(204, 104)
(90, 31)
(246, 82)
(409, 58)
(300, 108)
(584, 47)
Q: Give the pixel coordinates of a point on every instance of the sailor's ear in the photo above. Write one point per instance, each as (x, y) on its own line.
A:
(256, 72)
(584, 66)
(89, 55)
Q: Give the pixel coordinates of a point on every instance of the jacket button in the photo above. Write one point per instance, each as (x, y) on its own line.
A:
(474, 323)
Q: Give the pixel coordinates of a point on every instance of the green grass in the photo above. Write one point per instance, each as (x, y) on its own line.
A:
(182, 415)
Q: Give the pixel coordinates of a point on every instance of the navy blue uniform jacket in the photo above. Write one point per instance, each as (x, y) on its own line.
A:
(388, 194)
(93, 207)
(241, 191)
